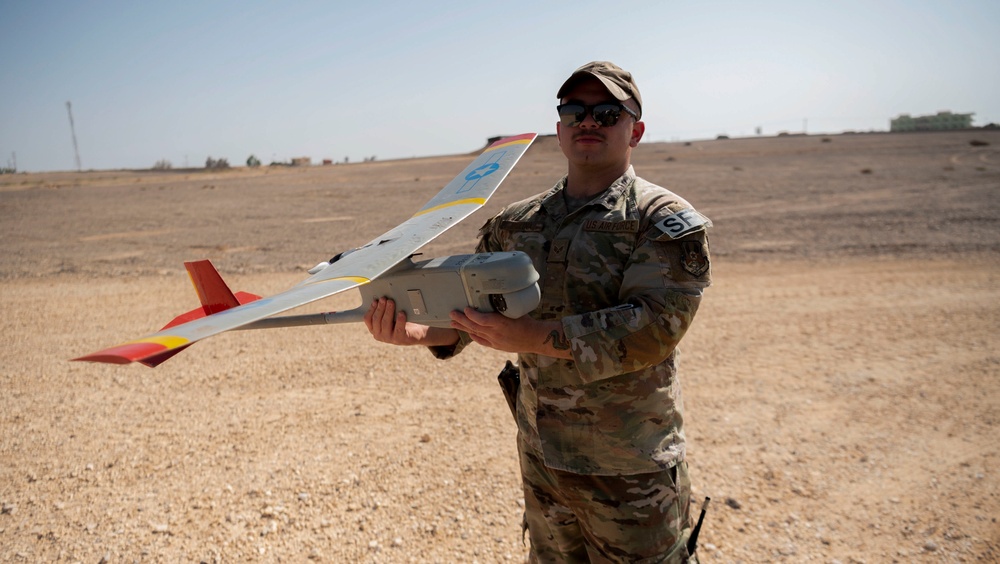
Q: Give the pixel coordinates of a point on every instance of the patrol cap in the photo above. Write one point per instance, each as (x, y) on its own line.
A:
(618, 81)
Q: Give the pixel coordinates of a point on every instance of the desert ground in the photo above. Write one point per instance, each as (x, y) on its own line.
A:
(841, 379)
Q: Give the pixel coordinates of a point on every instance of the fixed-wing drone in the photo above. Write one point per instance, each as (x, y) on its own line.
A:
(427, 290)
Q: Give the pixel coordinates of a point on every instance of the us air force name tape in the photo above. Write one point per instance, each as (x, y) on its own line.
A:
(685, 221)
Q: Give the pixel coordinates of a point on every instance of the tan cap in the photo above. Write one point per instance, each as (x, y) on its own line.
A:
(619, 82)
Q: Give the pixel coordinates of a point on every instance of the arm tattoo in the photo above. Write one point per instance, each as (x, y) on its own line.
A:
(559, 341)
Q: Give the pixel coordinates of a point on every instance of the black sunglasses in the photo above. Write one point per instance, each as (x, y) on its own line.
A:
(605, 114)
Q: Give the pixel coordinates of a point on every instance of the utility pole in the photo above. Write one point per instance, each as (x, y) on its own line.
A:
(72, 130)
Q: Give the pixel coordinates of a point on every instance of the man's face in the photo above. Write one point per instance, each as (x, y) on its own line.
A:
(589, 144)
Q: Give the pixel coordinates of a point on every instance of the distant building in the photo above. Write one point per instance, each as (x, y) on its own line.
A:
(301, 161)
(940, 121)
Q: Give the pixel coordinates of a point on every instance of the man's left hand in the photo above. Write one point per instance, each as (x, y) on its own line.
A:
(522, 335)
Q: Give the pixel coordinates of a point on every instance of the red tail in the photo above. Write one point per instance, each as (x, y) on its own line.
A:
(215, 296)
(213, 292)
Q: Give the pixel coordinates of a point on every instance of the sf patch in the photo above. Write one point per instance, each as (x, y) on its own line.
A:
(683, 222)
(694, 259)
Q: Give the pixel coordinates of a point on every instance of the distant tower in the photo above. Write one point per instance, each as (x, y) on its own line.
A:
(72, 130)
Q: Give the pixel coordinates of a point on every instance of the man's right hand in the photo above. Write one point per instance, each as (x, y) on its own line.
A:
(388, 326)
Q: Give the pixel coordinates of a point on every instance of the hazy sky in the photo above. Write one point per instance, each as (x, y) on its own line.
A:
(184, 80)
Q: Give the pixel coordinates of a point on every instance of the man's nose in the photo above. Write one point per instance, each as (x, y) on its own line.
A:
(589, 121)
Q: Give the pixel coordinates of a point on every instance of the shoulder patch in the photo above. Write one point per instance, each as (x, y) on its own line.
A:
(687, 220)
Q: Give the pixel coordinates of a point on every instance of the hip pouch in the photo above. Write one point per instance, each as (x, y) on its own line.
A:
(510, 380)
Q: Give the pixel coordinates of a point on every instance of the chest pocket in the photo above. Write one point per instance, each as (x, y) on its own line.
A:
(597, 253)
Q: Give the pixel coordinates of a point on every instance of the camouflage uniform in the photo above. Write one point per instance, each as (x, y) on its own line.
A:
(625, 274)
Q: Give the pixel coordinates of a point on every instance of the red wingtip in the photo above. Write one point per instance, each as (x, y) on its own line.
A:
(124, 354)
(215, 296)
(524, 138)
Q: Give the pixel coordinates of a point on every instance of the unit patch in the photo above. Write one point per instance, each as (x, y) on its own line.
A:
(694, 260)
(685, 221)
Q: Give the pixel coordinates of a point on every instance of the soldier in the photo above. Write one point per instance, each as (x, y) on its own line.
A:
(623, 265)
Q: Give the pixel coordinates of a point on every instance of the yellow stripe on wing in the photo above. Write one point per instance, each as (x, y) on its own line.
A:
(169, 341)
(477, 201)
(359, 280)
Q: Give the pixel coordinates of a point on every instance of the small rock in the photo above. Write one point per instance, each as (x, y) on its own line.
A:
(733, 503)
(398, 541)
(930, 546)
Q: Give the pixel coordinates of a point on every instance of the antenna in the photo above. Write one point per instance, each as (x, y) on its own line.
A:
(72, 130)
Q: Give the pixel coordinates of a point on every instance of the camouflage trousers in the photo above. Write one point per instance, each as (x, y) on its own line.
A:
(641, 518)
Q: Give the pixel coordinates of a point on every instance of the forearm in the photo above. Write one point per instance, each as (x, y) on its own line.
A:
(629, 338)
(549, 340)
(438, 337)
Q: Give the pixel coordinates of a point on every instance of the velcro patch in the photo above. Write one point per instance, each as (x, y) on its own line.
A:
(685, 221)
(694, 260)
(558, 250)
(623, 226)
(521, 226)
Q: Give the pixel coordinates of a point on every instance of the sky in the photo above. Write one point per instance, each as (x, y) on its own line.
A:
(183, 81)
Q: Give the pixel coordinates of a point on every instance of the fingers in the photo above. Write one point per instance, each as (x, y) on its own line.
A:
(482, 327)
(381, 319)
(388, 318)
(400, 334)
(469, 317)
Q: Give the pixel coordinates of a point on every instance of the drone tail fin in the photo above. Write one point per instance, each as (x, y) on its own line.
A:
(215, 296)
(213, 292)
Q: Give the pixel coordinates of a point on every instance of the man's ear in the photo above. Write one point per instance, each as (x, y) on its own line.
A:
(638, 128)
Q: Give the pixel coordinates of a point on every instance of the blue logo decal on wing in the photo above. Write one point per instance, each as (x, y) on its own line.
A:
(485, 170)
(480, 172)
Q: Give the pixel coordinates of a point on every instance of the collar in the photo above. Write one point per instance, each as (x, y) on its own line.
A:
(553, 202)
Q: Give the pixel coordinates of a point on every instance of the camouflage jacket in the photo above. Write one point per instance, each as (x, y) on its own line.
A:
(625, 274)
